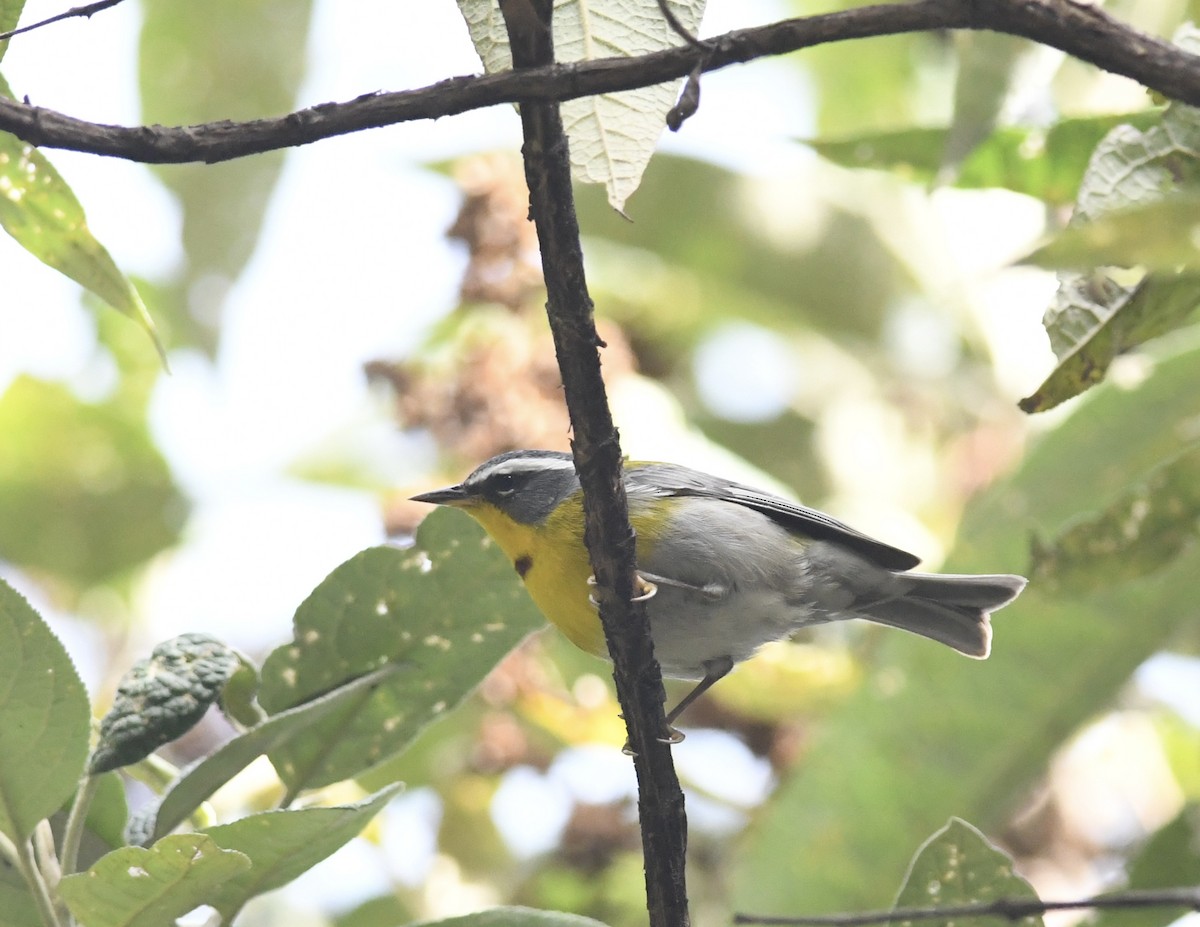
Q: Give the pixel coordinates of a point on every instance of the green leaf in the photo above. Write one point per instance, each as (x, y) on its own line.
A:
(1044, 163)
(161, 698)
(84, 492)
(1097, 315)
(612, 135)
(204, 62)
(445, 612)
(38, 209)
(44, 719)
(197, 782)
(515, 917)
(958, 866)
(931, 735)
(284, 844)
(239, 697)
(1161, 235)
(1094, 319)
(10, 15)
(137, 887)
(1169, 859)
(986, 61)
(1152, 524)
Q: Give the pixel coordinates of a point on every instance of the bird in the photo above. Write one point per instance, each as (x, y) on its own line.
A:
(724, 567)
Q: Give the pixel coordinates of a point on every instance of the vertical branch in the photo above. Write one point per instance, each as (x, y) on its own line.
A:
(610, 539)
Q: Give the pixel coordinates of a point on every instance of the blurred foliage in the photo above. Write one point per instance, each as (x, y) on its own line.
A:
(1046, 162)
(225, 59)
(84, 493)
(1169, 859)
(927, 737)
(899, 407)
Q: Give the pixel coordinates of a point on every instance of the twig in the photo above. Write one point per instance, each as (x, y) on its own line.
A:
(1082, 30)
(1012, 908)
(609, 537)
(677, 27)
(86, 10)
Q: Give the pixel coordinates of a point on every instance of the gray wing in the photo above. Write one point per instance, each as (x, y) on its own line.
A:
(675, 480)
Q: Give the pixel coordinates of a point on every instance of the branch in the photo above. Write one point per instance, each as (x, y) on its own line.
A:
(1012, 908)
(610, 539)
(1081, 30)
(87, 10)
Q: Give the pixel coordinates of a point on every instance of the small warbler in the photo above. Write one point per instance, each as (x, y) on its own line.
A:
(725, 567)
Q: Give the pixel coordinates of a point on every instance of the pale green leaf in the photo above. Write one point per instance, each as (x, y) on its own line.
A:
(958, 866)
(44, 719)
(986, 62)
(198, 781)
(40, 212)
(137, 887)
(1047, 163)
(1094, 319)
(612, 135)
(1161, 235)
(1154, 522)
(407, 607)
(10, 16)
(85, 494)
(217, 60)
(1099, 314)
(282, 845)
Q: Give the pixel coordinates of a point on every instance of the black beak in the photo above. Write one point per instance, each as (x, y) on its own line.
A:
(451, 495)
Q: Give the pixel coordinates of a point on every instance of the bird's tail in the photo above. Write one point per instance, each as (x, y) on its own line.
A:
(950, 609)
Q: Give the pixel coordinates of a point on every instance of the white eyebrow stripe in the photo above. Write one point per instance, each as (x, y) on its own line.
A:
(523, 465)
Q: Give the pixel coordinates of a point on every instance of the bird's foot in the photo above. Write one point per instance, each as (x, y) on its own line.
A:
(646, 590)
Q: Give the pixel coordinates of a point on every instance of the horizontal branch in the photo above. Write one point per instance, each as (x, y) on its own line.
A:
(1081, 30)
(1011, 908)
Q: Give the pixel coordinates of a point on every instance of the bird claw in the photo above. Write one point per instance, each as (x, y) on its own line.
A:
(646, 590)
(671, 737)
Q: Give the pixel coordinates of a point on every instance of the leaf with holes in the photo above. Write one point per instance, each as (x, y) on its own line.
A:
(197, 782)
(958, 866)
(1099, 313)
(38, 209)
(612, 135)
(1144, 530)
(136, 887)
(44, 719)
(444, 612)
(283, 844)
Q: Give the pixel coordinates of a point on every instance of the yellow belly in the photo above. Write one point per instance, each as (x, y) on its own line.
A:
(554, 565)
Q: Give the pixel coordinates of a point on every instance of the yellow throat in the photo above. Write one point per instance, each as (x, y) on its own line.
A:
(553, 563)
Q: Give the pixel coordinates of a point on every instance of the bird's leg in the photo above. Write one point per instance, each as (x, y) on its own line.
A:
(714, 671)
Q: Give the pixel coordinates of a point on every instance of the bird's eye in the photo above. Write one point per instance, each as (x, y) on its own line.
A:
(504, 484)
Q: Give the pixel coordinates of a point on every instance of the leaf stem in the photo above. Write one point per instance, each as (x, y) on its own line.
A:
(76, 820)
(27, 864)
